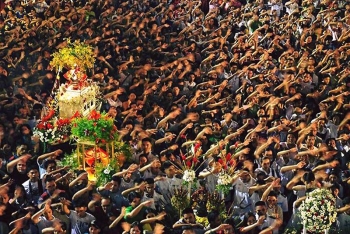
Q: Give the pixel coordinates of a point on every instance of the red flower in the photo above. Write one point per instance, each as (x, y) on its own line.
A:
(48, 116)
(95, 123)
(49, 126)
(220, 161)
(103, 141)
(40, 126)
(189, 163)
(94, 115)
(76, 115)
(195, 159)
(228, 157)
(196, 146)
(183, 157)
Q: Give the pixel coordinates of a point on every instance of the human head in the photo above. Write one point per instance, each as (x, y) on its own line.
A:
(260, 208)
(50, 184)
(149, 188)
(116, 180)
(214, 219)
(134, 199)
(33, 173)
(95, 227)
(135, 228)
(21, 167)
(50, 165)
(80, 207)
(188, 215)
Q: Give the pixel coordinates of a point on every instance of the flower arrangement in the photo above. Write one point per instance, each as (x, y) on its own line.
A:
(104, 173)
(189, 175)
(215, 202)
(96, 127)
(76, 54)
(180, 200)
(52, 130)
(224, 183)
(318, 211)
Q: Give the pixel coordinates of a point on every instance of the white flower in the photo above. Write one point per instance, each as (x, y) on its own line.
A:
(224, 179)
(189, 175)
(318, 210)
(106, 171)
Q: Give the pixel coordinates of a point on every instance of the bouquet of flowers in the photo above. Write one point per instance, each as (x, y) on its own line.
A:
(97, 128)
(224, 183)
(189, 176)
(53, 131)
(180, 200)
(318, 211)
(216, 203)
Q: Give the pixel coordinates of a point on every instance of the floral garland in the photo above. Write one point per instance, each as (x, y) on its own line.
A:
(97, 128)
(104, 173)
(76, 54)
(318, 211)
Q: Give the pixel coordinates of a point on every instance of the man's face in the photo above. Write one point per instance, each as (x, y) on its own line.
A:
(310, 141)
(189, 218)
(265, 164)
(115, 186)
(51, 186)
(51, 167)
(33, 175)
(170, 171)
(81, 211)
(21, 167)
(260, 210)
(149, 188)
(245, 177)
(106, 205)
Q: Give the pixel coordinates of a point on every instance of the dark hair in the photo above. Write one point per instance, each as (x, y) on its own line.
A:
(260, 203)
(187, 210)
(32, 167)
(309, 177)
(147, 139)
(273, 194)
(49, 161)
(80, 203)
(212, 216)
(149, 180)
(246, 217)
(136, 224)
(117, 179)
(133, 195)
(49, 179)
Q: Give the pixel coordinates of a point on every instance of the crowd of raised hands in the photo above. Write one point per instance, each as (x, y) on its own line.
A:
(258, 90)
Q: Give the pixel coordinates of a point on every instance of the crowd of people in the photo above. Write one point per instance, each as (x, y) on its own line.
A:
(264, 84)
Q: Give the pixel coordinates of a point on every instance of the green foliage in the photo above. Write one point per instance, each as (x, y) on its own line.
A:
(70, 160)
(104, 173)
(97, 128)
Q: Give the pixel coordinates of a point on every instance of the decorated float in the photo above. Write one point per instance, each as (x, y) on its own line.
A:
(74, 116)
